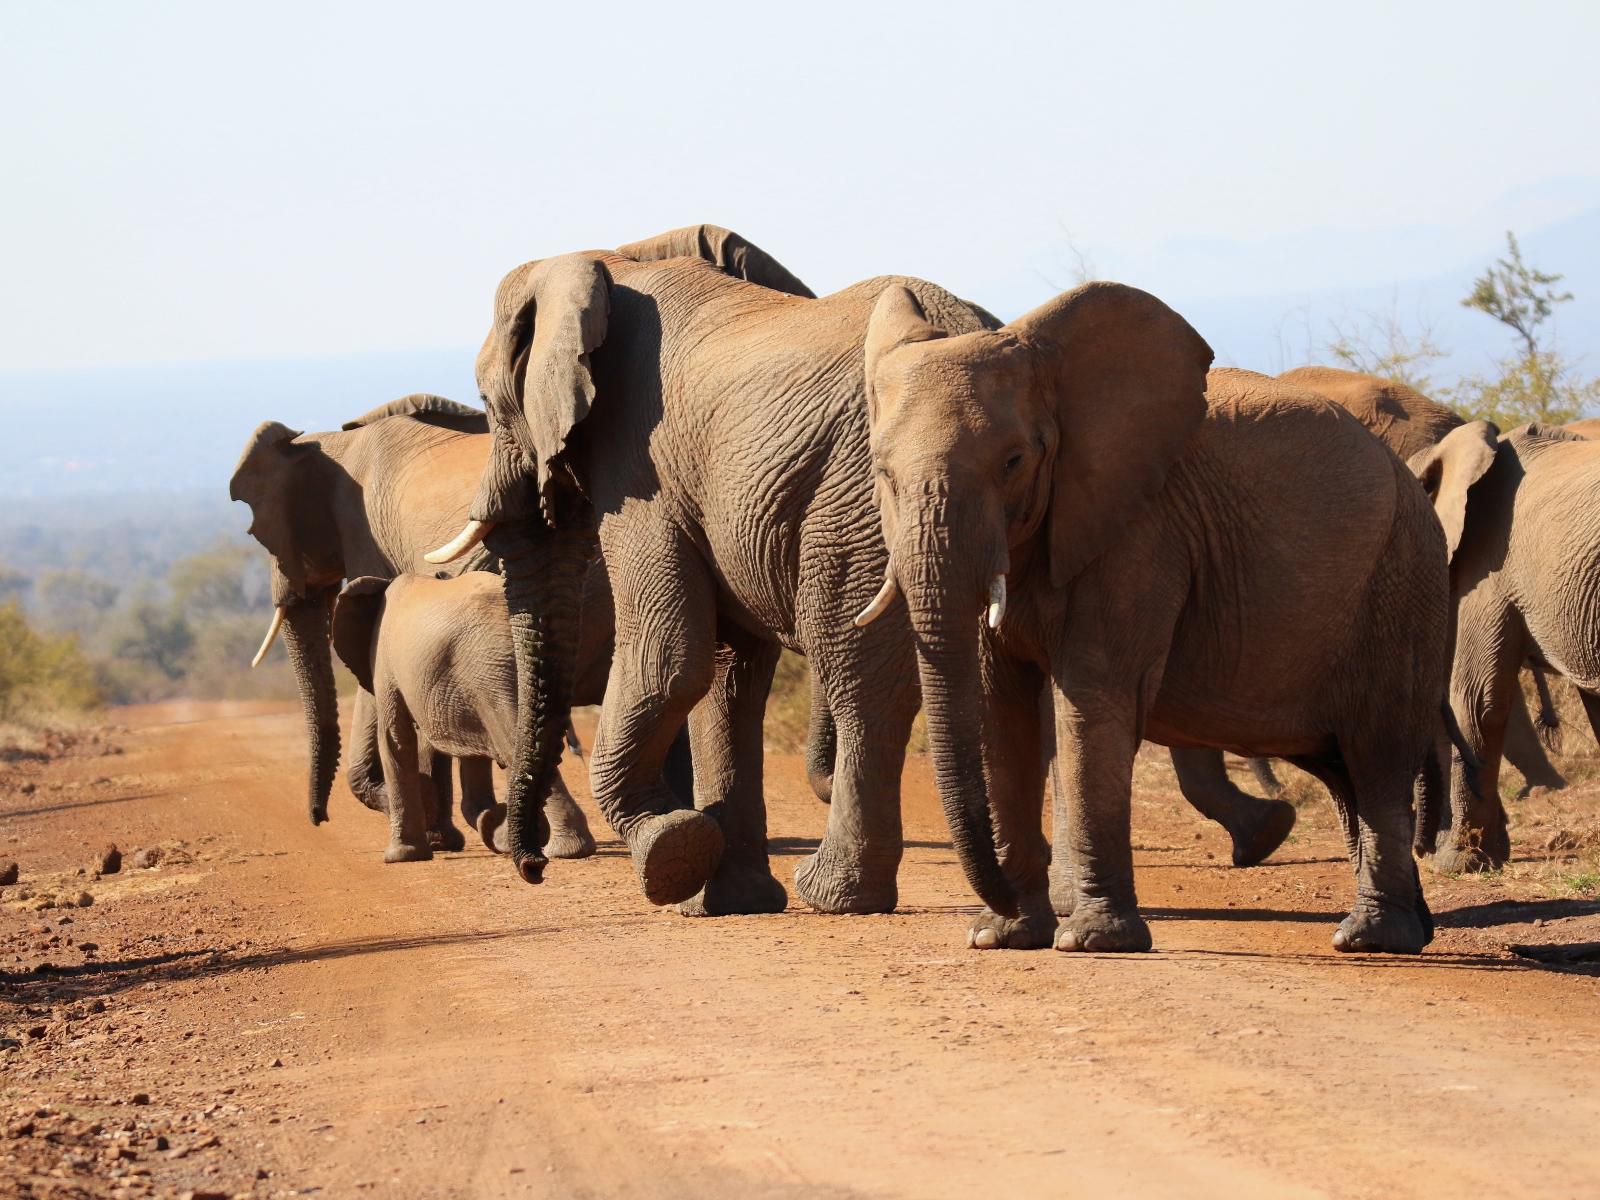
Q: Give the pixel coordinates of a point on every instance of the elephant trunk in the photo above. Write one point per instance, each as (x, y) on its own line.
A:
(544, 588)
(946, 616)
(305, 635)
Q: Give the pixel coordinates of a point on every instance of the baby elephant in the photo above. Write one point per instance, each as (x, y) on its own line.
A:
(436, 656)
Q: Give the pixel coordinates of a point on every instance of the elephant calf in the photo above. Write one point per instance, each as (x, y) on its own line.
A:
(435, 656)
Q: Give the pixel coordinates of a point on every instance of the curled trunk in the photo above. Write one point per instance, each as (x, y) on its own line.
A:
(305, 635)
(544, 589)
(948, 645)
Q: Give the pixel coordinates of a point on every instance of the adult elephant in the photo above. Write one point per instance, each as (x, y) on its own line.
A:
(1409, 423)
(1222, 561)
(712, 437)
(1521, 514)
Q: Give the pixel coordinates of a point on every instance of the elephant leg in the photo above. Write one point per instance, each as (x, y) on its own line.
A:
(477, 787)
(1256, 827)
(408, 823)
(1591, 709)
(1390, 913)
(665, 604)
(725, 731)
(822, 743)
(1014, 770)
(1482, 685)
(365, 770)
(1097, 736)
(569, 829)
(678, 770)
(439, 799)
(854, 869)
(1523, 748)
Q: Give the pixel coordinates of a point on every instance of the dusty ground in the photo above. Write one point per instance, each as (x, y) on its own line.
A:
(272, 1011)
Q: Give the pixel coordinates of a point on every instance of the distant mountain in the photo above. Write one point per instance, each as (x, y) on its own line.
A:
(110, 432)
(180, 428)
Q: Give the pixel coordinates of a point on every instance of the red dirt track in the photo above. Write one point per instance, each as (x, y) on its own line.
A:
(302, 1017)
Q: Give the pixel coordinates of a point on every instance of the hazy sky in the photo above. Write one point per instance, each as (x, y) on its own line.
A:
(215, 181)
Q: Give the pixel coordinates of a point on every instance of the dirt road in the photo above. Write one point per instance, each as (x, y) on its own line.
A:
(270, 1010)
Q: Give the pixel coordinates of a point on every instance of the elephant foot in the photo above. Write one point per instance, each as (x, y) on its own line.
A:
(1030, 931)
(737, 890)
(491, 827)
(1103, 930)
(400, 852)
(830, 886)
(1063, 895)
(1466, 858)
(1381, 929)
(569, 843)
(1262, 833)
(449, 838)
(675, 854)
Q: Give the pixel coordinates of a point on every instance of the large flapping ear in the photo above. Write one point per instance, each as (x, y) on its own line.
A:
(264, 479)
(723, 249)
(418, 404)
(549, 317)
(1448, 471)
(897, 320)
(355, 623)
(1126, 377)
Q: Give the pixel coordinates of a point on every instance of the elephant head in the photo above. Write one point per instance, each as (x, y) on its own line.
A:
(276, 477)
(534, 372)
(1013, 455)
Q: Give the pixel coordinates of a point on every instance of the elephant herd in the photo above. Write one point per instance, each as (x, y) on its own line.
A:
(1059, 537)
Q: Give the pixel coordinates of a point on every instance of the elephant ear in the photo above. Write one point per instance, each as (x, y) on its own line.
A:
(1448, 471)
(355, 622)
(265, 480)
(897, 320)
(1126, 378)
(534, 373)
(723, 249)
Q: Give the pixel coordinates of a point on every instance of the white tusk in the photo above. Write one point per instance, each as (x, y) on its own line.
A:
(473, 533)
(997, 601)
(880, 602)
(272, 636)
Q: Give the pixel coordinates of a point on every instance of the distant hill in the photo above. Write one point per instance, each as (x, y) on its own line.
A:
(180, 428)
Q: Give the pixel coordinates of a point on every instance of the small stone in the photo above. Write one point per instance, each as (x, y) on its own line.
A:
(110, 860)
(9, 872)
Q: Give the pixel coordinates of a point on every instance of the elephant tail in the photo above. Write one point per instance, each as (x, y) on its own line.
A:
(1548, 720)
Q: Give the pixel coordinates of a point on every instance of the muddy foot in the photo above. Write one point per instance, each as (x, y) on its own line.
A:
(674, 854)
(1378, 929)
(1031, 931)
(449, 838)
(492, 827)
(737, 889)
(1257, 838)
(829, 887)
(1465, 860)
(569, 843)
(400, 852)
(1100, 930)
